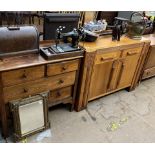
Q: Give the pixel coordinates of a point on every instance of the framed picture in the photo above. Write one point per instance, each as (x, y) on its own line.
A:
(30, 115)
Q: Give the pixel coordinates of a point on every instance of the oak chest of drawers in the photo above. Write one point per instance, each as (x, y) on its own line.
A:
(25, 76)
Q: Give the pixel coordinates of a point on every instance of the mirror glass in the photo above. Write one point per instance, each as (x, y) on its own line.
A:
(31, 116)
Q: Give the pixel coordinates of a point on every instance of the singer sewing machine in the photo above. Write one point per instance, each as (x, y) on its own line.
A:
(69, 46)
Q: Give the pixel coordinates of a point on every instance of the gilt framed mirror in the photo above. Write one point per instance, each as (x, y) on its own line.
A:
(30, 115)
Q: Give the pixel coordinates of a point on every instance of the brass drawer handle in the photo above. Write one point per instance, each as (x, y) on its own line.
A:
(25, 90)
(104, 59)
(61, 81)
(132, 53)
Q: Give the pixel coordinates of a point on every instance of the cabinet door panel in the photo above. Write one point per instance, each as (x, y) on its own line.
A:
(127, 69)
(100, 80)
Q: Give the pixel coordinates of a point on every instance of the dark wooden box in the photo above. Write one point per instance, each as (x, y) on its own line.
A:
(18, 40)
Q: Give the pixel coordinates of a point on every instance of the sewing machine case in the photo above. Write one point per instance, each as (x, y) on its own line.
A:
(18, 40)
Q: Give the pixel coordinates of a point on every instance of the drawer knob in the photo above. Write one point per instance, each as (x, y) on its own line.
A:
(102, 59)
(61, 81)
(58, 94)
(64, 68)
(25, 90)
(24, 76)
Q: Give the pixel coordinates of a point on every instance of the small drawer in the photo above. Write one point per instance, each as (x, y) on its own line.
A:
(101, 58)
(22, 75)
(63, 67)
(60, 94)
(149, 72)
(62, 80)
(132, 51)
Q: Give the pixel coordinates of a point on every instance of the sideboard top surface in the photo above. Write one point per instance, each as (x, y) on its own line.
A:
(104, 42)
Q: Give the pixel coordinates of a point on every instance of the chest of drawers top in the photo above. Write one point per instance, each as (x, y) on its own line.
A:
(29, 60)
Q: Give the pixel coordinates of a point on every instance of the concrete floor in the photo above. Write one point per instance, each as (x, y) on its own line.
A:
(119, 117)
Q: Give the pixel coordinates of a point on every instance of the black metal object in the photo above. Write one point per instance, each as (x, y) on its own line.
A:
(122, 22)
(53, 20)
(89, 36)
(74, 36)
(119, 28)
(66, 49)
(116, 33)
(70, 39)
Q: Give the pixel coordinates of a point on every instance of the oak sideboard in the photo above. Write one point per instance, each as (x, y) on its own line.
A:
(110, 66)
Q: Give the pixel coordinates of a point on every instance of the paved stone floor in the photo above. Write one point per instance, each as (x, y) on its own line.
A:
(119, 117)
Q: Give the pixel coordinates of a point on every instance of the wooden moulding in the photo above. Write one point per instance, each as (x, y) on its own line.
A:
(84, 81)
(80, 87)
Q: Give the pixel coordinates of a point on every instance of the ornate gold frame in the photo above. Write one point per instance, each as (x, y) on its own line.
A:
(14, 106)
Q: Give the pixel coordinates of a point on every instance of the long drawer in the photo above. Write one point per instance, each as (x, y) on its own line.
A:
(37, 86)
(63, 67)
(22, 75)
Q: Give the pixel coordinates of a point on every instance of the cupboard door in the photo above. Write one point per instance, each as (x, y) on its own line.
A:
(128, 67)
(101, 79)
